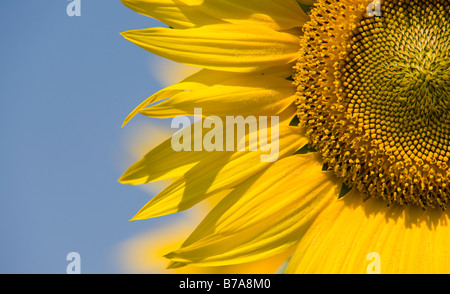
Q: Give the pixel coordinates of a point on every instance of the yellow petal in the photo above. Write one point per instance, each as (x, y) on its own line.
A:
(287, 115)
(197, 81)
(226, 47)
(263, 216)
(175, 14)
(144, 253)
(278, 15)
(163, 163)
(245, 95)
(223, 170)
(352, 236)
(158, 96)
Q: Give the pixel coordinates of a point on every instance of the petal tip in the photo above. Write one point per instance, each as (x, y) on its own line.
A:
(174, 264)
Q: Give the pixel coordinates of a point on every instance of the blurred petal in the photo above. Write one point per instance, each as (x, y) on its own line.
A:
(169, 72)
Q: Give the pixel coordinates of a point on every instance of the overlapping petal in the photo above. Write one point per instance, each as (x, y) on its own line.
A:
(198, 81)
(203, 80)
(217, 172)
(261, 217)
(247, 94)
(163, 162)
(142, 254)
(277, 15)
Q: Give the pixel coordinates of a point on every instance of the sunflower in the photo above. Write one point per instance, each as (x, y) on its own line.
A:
(361, 89)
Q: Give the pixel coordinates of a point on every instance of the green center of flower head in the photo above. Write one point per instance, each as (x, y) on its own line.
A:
(373, 92)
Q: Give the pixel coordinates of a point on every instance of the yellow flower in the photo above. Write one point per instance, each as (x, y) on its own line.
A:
(361, 181)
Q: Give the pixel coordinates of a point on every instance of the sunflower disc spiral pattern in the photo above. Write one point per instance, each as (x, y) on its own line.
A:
(373, 93)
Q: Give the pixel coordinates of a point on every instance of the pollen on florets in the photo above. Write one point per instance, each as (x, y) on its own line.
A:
(373, 94)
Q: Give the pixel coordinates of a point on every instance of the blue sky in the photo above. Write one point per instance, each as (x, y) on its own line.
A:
(66, 85)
